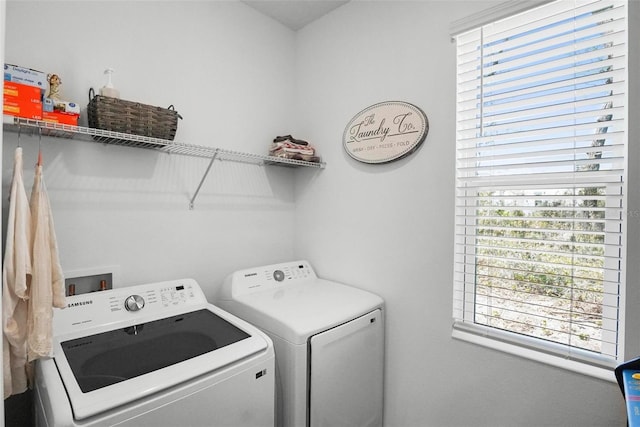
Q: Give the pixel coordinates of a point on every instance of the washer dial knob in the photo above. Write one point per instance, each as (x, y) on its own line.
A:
(134, 303)
(278, 275)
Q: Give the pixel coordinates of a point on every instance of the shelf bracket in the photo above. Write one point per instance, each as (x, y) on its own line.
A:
(206, 173)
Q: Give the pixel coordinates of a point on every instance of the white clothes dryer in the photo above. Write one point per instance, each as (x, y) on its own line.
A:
(328, 338)
(154, 355)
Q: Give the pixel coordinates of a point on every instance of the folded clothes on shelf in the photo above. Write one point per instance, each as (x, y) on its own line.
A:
(291, 148)
(291, 139)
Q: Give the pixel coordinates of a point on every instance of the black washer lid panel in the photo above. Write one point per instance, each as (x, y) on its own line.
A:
(114, 356)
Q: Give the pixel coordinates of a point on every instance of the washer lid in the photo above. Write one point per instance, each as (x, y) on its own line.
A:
(128, 361)
(299, 310)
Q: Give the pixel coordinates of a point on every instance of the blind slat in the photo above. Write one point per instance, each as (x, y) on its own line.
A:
(540, 18)
(611, 68)
(585, 52)
(554, 30)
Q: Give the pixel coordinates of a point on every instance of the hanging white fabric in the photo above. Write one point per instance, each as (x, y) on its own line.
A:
(47, 287)
(16, 276)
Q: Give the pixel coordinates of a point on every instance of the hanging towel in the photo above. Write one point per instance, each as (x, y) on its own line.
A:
(16, 275)
(47, 284)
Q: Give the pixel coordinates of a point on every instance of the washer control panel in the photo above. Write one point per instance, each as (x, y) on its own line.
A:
(267, 277)
(120, 304)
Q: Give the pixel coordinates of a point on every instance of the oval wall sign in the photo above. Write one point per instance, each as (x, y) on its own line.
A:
(385, 132)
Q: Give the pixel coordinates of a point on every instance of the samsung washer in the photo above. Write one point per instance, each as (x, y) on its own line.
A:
(328, 339)
(154, 355)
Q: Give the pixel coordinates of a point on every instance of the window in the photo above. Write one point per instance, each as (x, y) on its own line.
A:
(540, 185)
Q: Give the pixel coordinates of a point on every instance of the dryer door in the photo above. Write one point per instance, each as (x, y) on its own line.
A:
(346, 374)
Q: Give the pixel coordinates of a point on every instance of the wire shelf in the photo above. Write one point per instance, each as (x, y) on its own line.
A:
(57, 130)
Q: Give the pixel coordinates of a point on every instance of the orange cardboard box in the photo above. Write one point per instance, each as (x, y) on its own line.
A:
(62, 118)
(22, 101)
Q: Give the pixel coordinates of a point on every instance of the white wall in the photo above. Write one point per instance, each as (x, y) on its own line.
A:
(239, 79)
(390, 228)
(227, 69)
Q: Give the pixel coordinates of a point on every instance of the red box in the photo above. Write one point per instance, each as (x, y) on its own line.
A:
(62, 118)
(22, 101)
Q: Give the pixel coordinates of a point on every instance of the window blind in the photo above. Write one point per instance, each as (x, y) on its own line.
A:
(500, 11)
(540, 179)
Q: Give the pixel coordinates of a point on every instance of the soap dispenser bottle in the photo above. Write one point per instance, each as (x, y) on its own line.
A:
(108, 89)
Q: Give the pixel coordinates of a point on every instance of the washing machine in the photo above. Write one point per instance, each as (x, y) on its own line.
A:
(155, 354)
(328, 339)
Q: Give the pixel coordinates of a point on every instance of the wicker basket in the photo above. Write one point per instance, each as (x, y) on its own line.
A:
(130, 117)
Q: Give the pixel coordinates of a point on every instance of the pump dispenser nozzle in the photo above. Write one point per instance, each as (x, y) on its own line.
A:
(108, 89)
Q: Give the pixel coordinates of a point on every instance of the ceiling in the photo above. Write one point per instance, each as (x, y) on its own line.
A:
(295, 14)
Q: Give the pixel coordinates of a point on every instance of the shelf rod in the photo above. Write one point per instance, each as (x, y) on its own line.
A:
(202, 180)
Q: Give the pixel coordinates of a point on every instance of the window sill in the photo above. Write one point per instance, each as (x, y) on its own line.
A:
(606, 374)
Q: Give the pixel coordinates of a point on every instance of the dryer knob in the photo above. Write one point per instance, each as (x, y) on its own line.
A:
(134, 303)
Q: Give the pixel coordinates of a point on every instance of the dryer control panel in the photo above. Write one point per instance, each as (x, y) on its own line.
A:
(267, 277)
